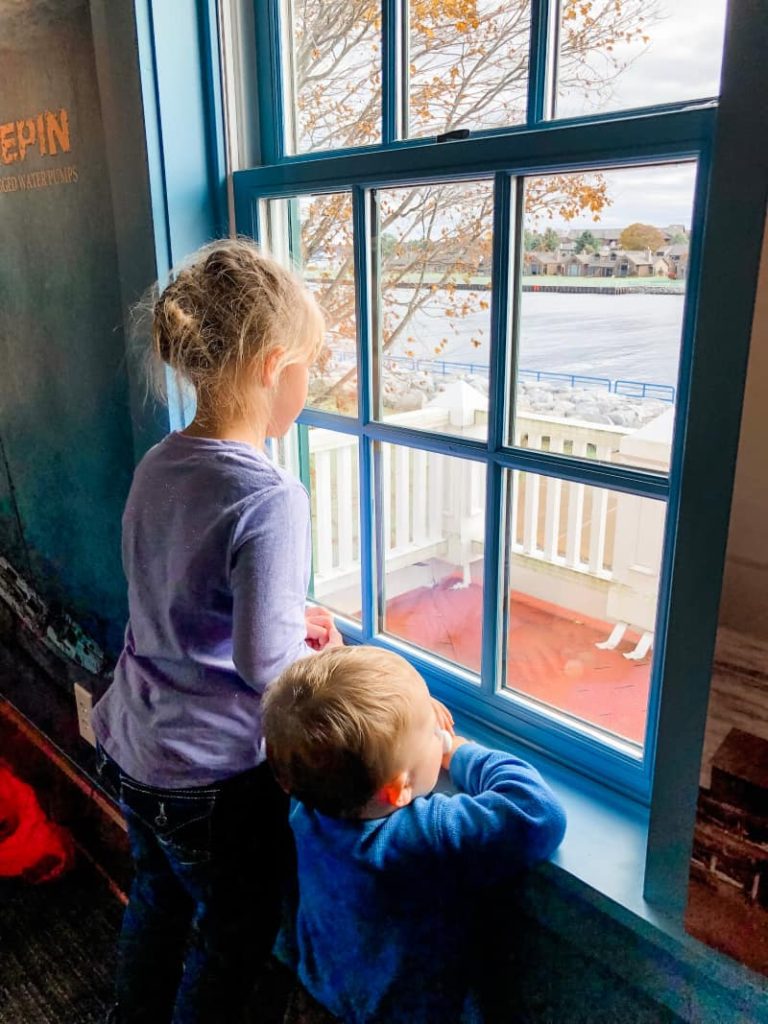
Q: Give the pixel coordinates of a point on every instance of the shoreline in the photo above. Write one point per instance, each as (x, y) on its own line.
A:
(528, 284)
(576, 289)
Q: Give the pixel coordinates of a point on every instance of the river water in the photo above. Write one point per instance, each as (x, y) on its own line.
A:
(629, 337)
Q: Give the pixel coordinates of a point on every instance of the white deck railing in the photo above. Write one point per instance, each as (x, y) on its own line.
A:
(434, 507)
(563, 523)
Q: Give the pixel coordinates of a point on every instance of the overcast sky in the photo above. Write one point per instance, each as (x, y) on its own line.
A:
(658, 195)
(682, 61)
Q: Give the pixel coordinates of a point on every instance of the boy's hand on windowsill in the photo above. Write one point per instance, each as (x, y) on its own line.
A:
(443, 715)
(458, 741)
(321, 629)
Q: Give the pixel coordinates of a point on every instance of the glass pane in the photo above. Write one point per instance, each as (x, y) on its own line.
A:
(332, 74)
(583, 576)
(434, 317)
(335, 501)
(468, 64)
(604, 276)
(619, 54)
(334, 508)
(285, 450)
(433, 527)
(317, 233)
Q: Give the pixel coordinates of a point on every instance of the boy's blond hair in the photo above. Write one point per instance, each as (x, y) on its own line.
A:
(225, 309)
(334, 723)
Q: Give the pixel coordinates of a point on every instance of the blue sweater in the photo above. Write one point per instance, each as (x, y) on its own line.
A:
(384, 923)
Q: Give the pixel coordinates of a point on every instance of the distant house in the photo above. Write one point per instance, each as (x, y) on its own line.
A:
(677, 259)
(641, 263)
(615, 263)
(443, 264)
(609, 261)
(671, 230)
(548, 263)
(625, 263)
(609, 237)
(575, 265)
(603, 265)
(605, 236)
(448, 262)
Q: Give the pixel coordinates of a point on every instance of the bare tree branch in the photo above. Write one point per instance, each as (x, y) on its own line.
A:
(468, 68)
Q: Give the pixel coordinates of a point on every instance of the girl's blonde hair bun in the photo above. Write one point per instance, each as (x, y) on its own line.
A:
(225, 308)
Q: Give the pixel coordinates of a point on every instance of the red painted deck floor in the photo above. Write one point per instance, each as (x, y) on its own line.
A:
(551, 653)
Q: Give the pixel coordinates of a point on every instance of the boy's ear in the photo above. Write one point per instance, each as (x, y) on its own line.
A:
(398, 792)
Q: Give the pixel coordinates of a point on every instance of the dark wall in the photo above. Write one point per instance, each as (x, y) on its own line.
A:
(65, 427)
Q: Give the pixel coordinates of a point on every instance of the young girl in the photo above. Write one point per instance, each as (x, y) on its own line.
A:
(216, 549)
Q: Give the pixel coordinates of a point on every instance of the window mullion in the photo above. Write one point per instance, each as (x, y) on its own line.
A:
(579, 470)
(269, 79)
(514, 255)
(497, 416)
(362, 242)
(586, 471)
(542, 54)
(394, 15)
(404, 76)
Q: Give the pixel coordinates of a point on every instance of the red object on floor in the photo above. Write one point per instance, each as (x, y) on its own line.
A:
(551, 653)
(31, 846)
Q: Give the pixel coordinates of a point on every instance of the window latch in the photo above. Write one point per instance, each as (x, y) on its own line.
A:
(457, 133)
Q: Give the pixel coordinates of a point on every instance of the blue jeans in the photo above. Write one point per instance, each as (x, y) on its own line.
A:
(204, 907)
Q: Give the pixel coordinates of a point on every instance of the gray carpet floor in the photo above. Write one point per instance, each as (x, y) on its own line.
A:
(57, 950)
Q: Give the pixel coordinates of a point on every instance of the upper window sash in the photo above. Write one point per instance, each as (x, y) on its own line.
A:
(276, 75)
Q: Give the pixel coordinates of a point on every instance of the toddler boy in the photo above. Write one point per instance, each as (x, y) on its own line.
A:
(390, 873)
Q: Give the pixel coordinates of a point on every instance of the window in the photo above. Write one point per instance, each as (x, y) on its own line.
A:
(331, 74)
(616, 56)
(493, 440)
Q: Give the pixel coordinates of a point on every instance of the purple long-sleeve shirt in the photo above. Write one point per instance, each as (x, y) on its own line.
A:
(216, 549)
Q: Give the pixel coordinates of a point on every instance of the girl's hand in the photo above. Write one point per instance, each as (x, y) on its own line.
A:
(443, 715)
(321, 629)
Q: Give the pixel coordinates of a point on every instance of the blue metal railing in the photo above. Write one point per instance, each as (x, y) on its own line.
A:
(630, 388)
(444, 367)
(644, 389)
(573, 379)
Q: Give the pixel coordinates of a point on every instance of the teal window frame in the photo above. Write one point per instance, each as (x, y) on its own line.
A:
(727, 139)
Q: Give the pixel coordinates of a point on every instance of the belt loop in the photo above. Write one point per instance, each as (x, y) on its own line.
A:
(161, 819)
